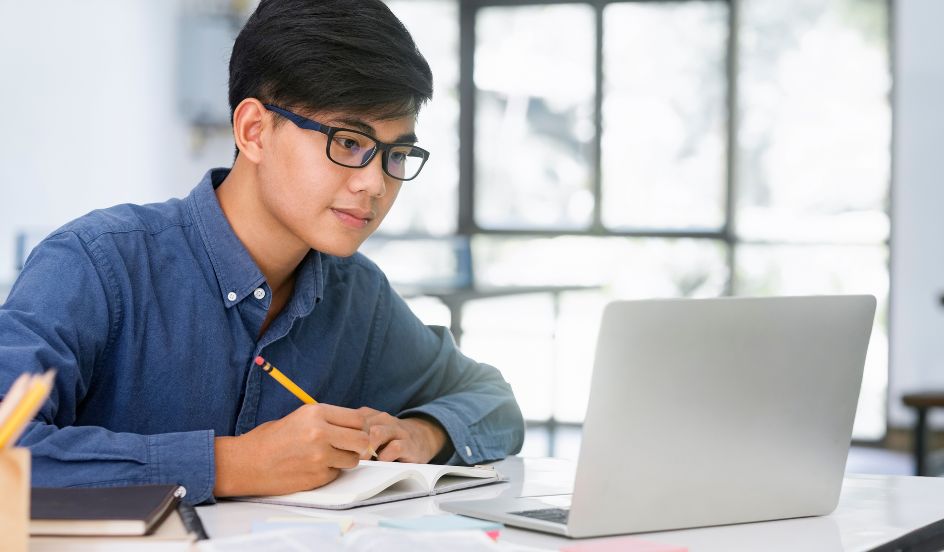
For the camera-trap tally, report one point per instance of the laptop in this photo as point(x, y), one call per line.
point(708, 412)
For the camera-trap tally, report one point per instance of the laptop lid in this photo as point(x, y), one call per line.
point(717, 411)
point(709, 412)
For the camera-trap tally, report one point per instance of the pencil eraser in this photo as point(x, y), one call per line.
point(259, 361)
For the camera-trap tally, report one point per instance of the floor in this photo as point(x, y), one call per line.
point(566, 444)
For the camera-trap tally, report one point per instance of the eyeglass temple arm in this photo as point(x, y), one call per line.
point(300, 121)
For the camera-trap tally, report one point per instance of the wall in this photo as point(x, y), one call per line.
point(917, 315)
point(90, 114)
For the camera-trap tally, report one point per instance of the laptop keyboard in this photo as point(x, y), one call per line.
point(554, 515)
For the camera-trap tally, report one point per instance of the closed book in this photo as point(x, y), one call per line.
point(169, 536)
point(134, 510)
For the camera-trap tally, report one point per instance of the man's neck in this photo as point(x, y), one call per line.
point(276, 251)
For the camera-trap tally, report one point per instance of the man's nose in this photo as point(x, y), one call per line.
point(370, 178)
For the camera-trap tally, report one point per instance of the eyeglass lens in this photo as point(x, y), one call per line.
point(353, 149)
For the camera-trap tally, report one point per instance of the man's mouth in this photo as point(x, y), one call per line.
point(353, 217)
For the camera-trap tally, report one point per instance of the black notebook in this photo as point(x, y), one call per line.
point(135, 510)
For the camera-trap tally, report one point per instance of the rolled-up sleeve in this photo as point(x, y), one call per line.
point(60, 315)
point(471, 400)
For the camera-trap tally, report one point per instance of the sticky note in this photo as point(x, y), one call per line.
point(443, 523)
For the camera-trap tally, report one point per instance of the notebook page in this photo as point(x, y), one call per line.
point(354, 485)
point(438, 476)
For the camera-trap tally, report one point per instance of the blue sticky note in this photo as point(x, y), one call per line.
point(441, 523)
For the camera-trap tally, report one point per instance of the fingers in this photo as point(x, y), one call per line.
point(344, 417)
point(368, 411)
point(392, 452)
point(334, 426)
point(380, 435)
point(393, 439)
point(355, 433)
point(342, 459)
point(355, 441)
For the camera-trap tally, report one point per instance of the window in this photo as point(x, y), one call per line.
point(688, 148)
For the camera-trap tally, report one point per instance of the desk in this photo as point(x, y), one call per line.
point(873, 510)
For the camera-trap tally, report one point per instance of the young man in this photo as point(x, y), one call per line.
point(153, 314)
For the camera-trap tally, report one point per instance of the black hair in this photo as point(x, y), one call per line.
point(350, 56)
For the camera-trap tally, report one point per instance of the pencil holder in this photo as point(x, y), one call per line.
point(14, 499)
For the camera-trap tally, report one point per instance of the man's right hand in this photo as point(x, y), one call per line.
point(301, 451)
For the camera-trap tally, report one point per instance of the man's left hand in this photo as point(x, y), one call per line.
point(416, 439)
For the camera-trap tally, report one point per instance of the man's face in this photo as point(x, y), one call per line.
point(330, 208)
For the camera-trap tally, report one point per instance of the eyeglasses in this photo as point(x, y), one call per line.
point(354, 149)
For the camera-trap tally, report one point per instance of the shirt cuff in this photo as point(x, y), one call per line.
point(185, 459)
point(467, 449)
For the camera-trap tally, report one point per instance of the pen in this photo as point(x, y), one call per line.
point(295, 389)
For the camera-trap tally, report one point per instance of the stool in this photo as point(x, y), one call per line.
point(922, 402)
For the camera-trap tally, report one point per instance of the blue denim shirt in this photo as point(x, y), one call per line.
point(151, 315)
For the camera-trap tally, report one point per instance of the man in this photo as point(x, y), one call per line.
point(153, 314)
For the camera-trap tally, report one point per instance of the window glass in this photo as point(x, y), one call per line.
point(664, 115)
point(534, 79)
point(430, 203)
point(814, 132)
point(413, 264)
point(516, 335)
point(628, 267)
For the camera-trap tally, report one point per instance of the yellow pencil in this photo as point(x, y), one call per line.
point(26, 408)
point(291, 386)
point(286, 383)
point(13, 396)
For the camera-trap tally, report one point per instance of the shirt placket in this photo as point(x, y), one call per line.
point(252, 311)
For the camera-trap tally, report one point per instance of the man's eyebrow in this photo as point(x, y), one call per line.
point(357, 124)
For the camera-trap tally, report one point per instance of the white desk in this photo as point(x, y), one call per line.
point(873, 510)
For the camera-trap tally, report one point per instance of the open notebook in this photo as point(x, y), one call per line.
point(373, 482)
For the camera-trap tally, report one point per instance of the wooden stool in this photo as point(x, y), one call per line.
point(922, 402)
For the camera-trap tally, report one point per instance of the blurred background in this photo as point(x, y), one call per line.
point(582, 151)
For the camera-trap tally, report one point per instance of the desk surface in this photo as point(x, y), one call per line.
point(873, 510)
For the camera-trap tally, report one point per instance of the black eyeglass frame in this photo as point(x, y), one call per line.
point(330, 131)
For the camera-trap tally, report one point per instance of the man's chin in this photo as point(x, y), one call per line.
point(336, 250)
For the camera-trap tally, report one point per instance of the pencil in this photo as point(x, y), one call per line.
point(25, 408)
point(286, 383)
point(293, 388)
point(13, 396)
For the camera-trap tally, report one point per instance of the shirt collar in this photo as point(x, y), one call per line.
point(236, 272)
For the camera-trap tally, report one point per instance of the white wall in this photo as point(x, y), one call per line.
point(917, 316)
point(88, 93)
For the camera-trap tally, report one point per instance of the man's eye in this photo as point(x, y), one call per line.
point(347, 143)
point(398, 157)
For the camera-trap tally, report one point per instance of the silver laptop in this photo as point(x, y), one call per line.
point(709, 412)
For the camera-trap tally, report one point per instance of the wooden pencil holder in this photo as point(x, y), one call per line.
point(14, 499)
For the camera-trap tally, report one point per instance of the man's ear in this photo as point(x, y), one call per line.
point(249, 120)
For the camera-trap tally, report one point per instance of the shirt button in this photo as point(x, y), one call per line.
point(259, 294)
point(468, 451)
point(231, 296)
